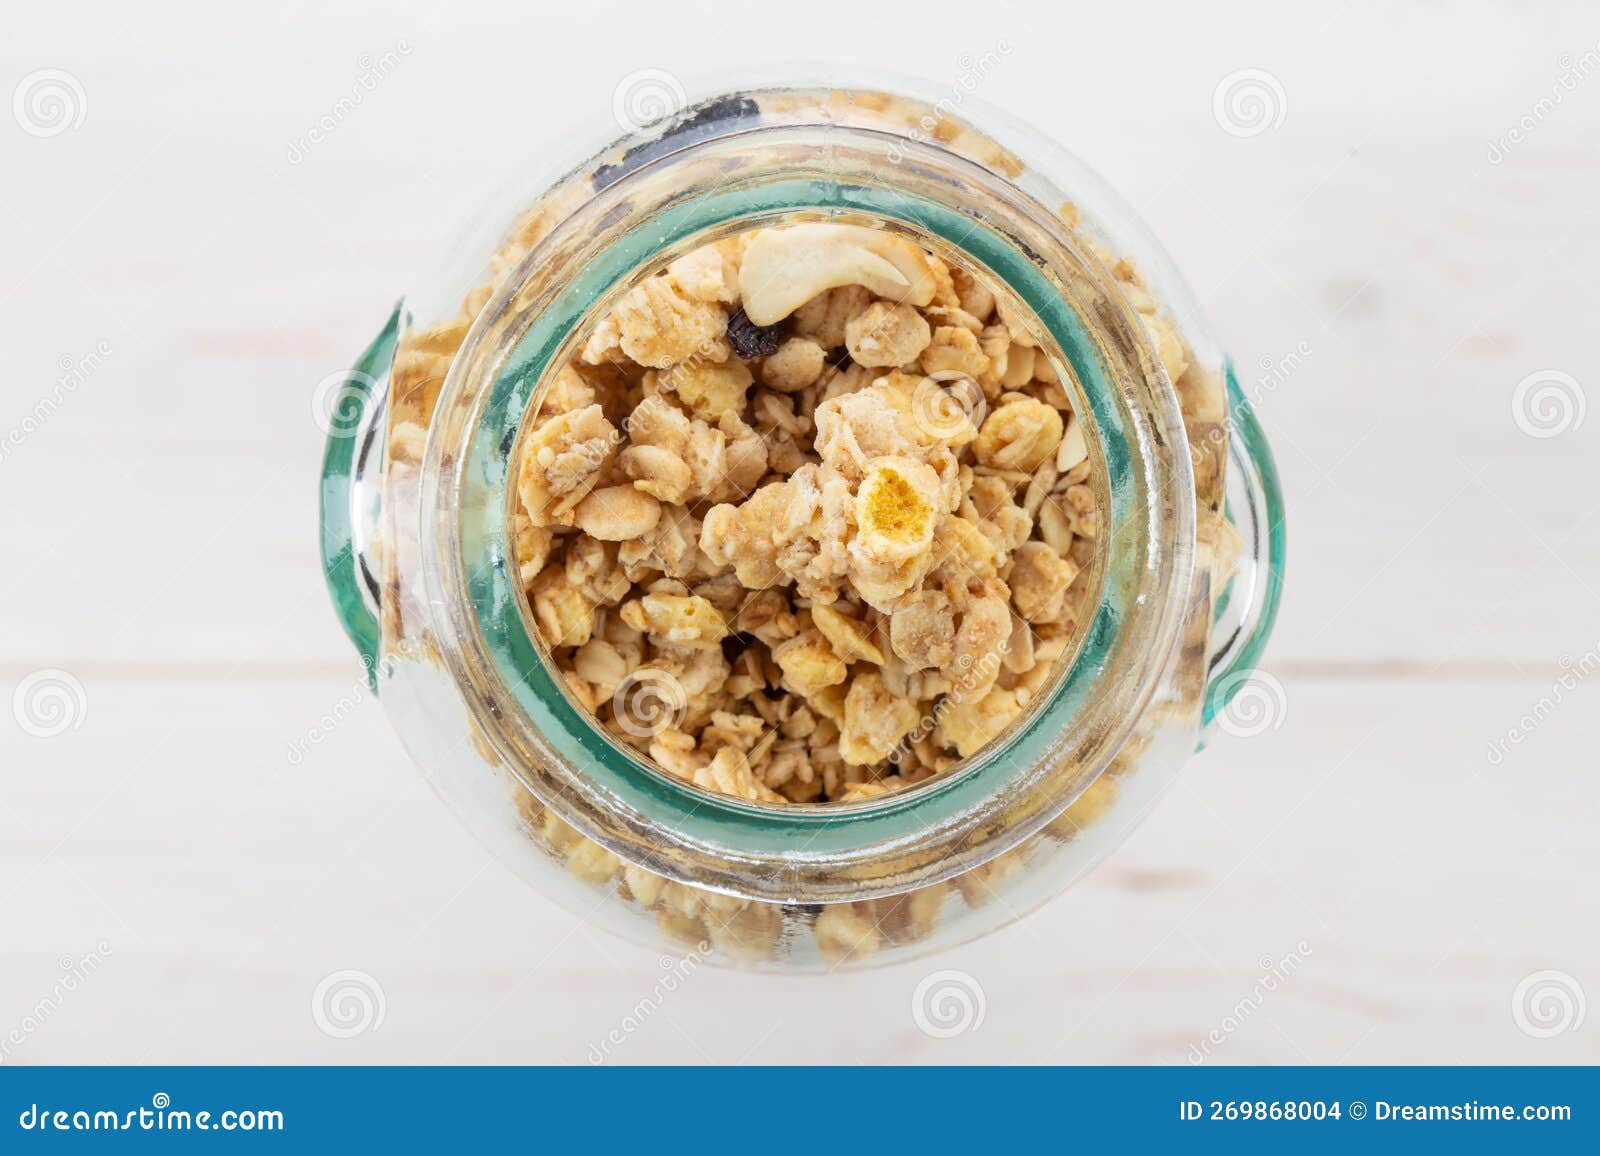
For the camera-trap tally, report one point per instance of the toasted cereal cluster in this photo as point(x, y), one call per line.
point(809, 517)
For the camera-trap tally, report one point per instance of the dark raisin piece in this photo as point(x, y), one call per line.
point(751, 340)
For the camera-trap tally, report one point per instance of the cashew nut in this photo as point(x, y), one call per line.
point(784, 268)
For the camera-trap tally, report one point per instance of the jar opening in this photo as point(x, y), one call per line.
point(646, 704)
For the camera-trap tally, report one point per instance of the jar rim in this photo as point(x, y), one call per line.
point(904, 840)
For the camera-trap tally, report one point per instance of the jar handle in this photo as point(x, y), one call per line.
point(352, 472)
point(1248, 605)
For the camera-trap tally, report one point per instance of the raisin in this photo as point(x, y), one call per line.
point(751, 340)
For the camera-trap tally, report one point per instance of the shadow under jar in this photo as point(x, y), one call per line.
point(420, 501)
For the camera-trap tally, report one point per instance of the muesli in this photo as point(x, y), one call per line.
point(687, 505)
point(810, 517)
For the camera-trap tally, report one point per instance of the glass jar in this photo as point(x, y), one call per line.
point(420, 555)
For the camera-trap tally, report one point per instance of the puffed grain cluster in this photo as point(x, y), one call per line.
point(809, 517)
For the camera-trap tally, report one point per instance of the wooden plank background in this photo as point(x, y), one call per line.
point(210, 264)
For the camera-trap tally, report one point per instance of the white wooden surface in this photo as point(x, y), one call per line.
point(159, 532)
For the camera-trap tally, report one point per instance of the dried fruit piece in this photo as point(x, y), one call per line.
point(747, 339)
point(895, 510)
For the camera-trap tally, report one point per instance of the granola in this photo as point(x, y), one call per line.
point(725, 540)
point(830, 486)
